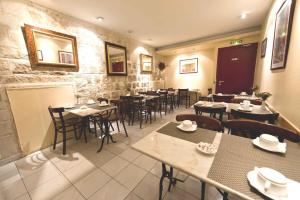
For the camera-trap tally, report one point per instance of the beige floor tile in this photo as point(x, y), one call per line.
point(114, 166)
point(131, 176)
point(8, 175)
point(79, 171)
point(13, 190)
point(113, 190)
point(148, 188)
point(116, 148)
point(24, 197)
point(191, 186)
point(41, 176)
point(130, 154)
point(92, 182)
point(132, 196)
point(99, 159)
point(69, 162)
point(178, 194)
point(69, 194)
point(50, 189)
point(145, 162)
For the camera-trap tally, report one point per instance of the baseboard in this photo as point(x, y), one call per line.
point(10, 159)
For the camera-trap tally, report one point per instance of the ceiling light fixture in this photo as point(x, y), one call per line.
point(243, 16)
point(100, 19)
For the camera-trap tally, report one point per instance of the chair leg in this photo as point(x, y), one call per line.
point(64, 142)
point(118, 126)
point(110, 124)
point(122, 121)
point(203, 186)
point(95, 127)
point(55, 139)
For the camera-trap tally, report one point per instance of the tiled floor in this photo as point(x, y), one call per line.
point(117, 172)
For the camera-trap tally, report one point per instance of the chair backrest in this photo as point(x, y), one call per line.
point(252, 129)
point(202, 121)
point(222, 98)
point(171, 89)
point(252, 101)
point(100, 99)
point(209, 90)
point(60, 119)
point(271, 117)
point(152, 93)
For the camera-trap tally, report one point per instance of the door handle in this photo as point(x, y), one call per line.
point(220, 82)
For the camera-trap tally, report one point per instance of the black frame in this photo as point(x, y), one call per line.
point(59, 57)
point(188, 72)
point(291, 14)
point(263, 48)
point(107, 59)
point(41, 54)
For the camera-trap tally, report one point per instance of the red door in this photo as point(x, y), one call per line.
point(235, 68)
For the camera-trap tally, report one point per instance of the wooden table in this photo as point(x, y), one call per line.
point(94, 109)
point(182, 155)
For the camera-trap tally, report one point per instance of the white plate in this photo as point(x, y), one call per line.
point(69, 106)
point(102, 105)
point(206, 148)
point(245, 110)
point(192, 129)
point(291, 192)
point(280, 148)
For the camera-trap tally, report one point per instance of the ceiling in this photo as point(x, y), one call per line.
point(164, 22)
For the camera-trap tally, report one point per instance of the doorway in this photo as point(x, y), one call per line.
point(235, 68)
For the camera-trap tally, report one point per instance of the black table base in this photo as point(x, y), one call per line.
point(106, 134)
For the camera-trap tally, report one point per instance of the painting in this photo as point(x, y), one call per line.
point(65, 57)
point(263, 48)
point(283, 25)
point(146, 64)
point(116, 59)
point(188, 66)
point(39, 55)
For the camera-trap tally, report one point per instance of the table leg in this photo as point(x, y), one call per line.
point(106, 134)
point(203, 186)
point(169, 175)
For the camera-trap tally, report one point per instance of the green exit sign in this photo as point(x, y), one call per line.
point(236, 42)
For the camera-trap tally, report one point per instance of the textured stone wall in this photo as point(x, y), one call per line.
point(91, 81)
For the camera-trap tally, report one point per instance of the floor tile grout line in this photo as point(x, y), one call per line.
point(22, 182)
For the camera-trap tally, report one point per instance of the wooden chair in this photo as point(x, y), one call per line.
point(183, 95)
point(252, 101)
point(252, 129)
point(63, 125)
point(213, 111)
point(202, 121)
point(222, 98)
point(271, 118)
point(117, 114)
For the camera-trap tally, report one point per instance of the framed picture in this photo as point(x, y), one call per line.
point(283, 25)
point(263, 48)
point(116, 59)
point(146, 63)
point(65, 57)
point(188, 66)
point(39, 55)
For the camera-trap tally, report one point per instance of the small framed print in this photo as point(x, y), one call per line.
point(39, 55)
point(65, 57)
point(188, 66)
point(263, 48)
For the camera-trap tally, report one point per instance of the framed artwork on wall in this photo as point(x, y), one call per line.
point(116, 59)
point(188, 66)
point(65, 57)
point(39, 55)
point(146, 64)
point(263, 48)
point(283, 26)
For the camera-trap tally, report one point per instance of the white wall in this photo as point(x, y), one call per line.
point(283, 84)
point(201, 80)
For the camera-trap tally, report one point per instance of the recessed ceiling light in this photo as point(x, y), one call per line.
point(100, 19)
point(243, 16)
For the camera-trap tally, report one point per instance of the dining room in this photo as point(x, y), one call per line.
point(149, 100)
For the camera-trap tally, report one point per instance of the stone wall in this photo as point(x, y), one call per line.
point(91, 81)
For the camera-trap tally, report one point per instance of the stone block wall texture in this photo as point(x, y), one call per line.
point(91, 81)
